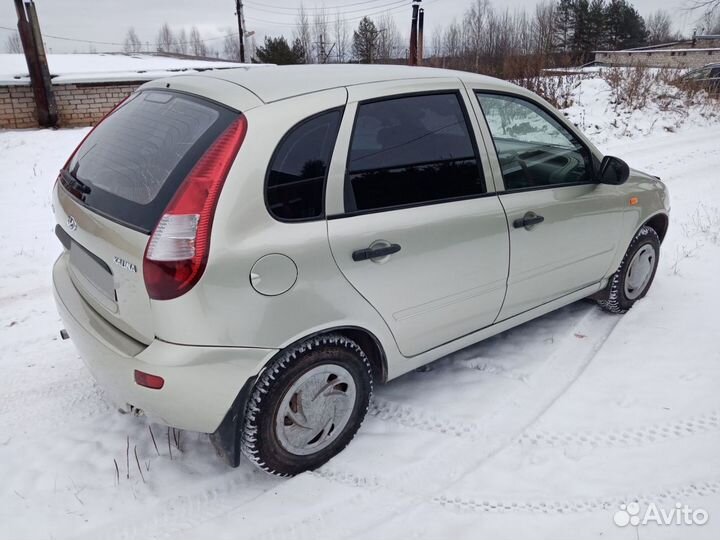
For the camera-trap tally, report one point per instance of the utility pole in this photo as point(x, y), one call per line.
point(323, 58)
point(241, 28)
point(413, 33)
point(421, 37)
point(31, 38)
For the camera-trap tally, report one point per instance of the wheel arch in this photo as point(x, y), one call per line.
point(367, 341)
point(659, 222)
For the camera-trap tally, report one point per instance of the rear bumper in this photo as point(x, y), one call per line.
point(201, 383)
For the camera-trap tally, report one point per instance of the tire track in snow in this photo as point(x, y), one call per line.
point(626, 437)
point(418, 483)
point(418, 418)
point(701, 488)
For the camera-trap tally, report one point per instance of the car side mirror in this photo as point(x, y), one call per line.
point(613, 171)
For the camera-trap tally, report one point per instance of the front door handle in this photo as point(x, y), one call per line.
point(375, 252)
point(529, 220)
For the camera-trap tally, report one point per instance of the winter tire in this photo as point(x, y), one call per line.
point(307, 405)
point(635, 275)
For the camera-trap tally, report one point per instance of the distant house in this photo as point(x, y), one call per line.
point(691, 53)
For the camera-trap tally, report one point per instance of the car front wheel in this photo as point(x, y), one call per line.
point(307, 405)
point(635, 275)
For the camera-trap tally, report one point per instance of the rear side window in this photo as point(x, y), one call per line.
point(133, 162)
point(410, 150)
point(296, 178)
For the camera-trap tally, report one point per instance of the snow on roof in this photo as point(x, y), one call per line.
point(80, 68)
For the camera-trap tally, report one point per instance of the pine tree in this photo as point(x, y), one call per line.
point(278, 51)
point(634, 33)
point(581, 38)
point(364, 41)
point(564, 25)
point(625, 26)
point(596, 25)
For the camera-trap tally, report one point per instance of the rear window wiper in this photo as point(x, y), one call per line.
point(75, 183)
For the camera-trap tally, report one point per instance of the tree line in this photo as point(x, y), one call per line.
point(485, 38)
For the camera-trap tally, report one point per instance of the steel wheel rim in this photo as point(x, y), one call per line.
point(639, 271)
point(315, 409)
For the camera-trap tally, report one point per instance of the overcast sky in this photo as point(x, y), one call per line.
point(108, 20)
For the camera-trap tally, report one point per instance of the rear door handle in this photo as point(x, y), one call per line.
point(375, 252)
point(529, 220)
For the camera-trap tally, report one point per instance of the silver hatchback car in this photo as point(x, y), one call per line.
point(247, 252)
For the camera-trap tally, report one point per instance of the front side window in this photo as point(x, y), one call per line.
point(533, 148)
point(410, 150)
point(296, 179)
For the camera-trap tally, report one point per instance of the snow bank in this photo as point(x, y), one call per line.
point(667, 110)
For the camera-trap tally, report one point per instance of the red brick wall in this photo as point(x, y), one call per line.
point(78, 104)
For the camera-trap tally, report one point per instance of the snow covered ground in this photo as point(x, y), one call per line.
point(541, 432)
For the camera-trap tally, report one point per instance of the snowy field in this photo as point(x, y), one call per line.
point(541, 432)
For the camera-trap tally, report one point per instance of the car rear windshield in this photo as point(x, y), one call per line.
point(130, 166)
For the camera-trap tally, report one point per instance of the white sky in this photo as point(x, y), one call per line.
point(108, 20)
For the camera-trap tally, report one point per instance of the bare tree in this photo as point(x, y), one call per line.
point(132, 42)
point(231, 47)
point(475, 24)
point(197, 45)
point(342, 38)
point(452, 41)
point(436, 45)
point(659, 27)
point(710, 22)
point(13, 44)
point(389, 39)
point(320, 33)
point(303, 33)
point(542, 27)
point(181, 46)
point(708, 6)
point(165, 39)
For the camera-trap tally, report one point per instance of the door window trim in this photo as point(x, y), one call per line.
point(593, 159)
point(276, 151)
point(473, 140)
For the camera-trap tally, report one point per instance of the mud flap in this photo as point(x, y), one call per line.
point(226, 438)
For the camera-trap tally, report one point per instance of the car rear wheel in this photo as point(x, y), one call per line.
point(635, 275)
point(307, 405)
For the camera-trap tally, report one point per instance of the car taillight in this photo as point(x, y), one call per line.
point(177, 253)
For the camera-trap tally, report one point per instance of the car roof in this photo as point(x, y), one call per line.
point(274, 83)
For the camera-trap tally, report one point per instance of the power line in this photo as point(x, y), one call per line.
point(322, 8)
point(294, 11)
point(346, 19)
point(393, 7)
point(94, 42)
